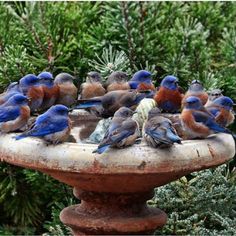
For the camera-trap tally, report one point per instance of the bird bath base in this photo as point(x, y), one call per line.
point(110, 213)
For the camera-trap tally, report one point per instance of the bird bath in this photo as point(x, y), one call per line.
point(114, 187)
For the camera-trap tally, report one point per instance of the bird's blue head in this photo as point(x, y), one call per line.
point(224, 102)
point(141, 75)
point(59, 110)
point(93, 77)
point(29, 80)
point(170, 82)
point(14, 86)
point(124, 112)
point(17, 99)
point(196, 86)
point(46, 78)
point(193, 103)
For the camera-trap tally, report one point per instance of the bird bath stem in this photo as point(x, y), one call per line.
point(114, 187)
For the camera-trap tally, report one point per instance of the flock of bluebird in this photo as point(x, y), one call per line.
point(201, 114)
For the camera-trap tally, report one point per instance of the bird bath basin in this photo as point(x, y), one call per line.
point(114, 187)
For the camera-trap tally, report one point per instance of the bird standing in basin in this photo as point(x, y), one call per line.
point(117, 80)
point(122, 132)
point(112, 101)
point(141, 80)
point(222, 109)
point(14, 113)
point(159, 131)
point(92, 87)
point(196, 89)
point(53, 126)
point(169, 97)
point(31, 88)
point(67, 89)
point(50, 90)
point(11, 90)
point(197, 121)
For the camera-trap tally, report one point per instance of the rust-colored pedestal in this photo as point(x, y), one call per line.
point(109, 213)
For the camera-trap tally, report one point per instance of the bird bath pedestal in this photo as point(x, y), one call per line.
point(114, 187)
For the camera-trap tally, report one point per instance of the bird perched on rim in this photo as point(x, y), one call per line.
point(222, 109)
point(31, 88)
point(50, 90)
point(196, 89)
point(197, 121)
point(11, 90)
point(14, 113)
point(169, 97)
point(122, 132)
point(112, 101)
point(53, 126)
point(67, 89)
point(141, 80)
point(159, 131)
point(117, 80)
point(212, 95)
point(92, 87)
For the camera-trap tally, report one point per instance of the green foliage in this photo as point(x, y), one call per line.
point(203, 203)
point(193, 40)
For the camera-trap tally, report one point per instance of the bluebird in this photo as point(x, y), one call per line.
point(196, 89)
point(159, 131)
point(222, 109)
point(31, 88)
point(50, 90)
point(123, 131)
point(14, 113)
point(67, 89)
point(142, 80)
point(197, 121)
point(92, 87)
point(113, 100)
point(11, 90)
point(117, 80)
point(53, 126)
point(169, 97)
point(212, 95)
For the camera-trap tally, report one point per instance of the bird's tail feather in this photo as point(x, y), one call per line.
point(101, 149)
point(173, 137)
point(88, 104)
point(21, 136)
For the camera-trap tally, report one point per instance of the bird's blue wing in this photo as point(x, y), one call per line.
point(9, 113)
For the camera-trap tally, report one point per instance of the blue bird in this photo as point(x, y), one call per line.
point(14, 113)
point(197, 121)
point(53, 126)
point(50, 90)
point(159, 131)
point(11, 90)
point(31, 88)
point(169, 97)
point(122, 132)
point(222, 109)
point(141, 80)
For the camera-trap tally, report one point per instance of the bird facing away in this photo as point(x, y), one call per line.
point(50, 90)
point(113, 100)
point(159, 131)
point(222, 109)
point(168, 97)
point(142, 80)
point(14, 113)
point(196, 89)
point(117, 80)
point(197, 121)
point(32, 89)
point(92, 87)
point(67, 89)
point(53, 126)
point(11, 90)
point(122, 132)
